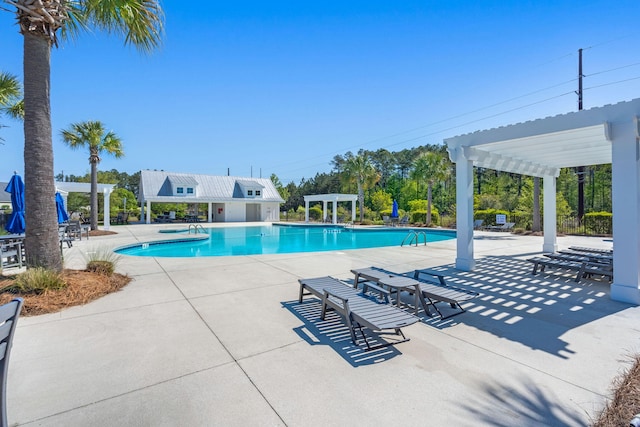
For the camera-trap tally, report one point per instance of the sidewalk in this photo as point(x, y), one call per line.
point(223, 341)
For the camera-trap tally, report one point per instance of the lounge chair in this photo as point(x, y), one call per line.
point(440, 291)
point(507, 226)
point(591, 250)
point(386, 220)
point(358, 310)
point(477, 224)
point(432, 291)
point(583, 268)
point(404, 221)
point(9, 314)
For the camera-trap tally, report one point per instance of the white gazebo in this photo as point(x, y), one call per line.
point(331, 198)
point(539, 148)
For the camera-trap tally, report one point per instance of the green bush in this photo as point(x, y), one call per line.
point(489, 216)
point(37, 280)
point(420, 216)
point(599, 222)
point(315, 213)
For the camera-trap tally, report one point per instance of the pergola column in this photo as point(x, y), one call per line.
point(464, 210)
point(626, 208)
point(550, 243)
point(324, 210)
point(306, 211)
point(335, 211)
point(209, 213)
point(148, 219)
point(353, 211)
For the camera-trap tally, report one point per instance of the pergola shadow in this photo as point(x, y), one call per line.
point(535, 311)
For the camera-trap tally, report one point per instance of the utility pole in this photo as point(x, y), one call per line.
point(580, 169)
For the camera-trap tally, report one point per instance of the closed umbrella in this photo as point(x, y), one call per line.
point(62, 213)
point(394, 210)
point(16, 223)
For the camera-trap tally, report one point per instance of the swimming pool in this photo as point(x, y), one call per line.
point(280, 239)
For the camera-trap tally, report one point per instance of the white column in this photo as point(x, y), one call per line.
point(353, 211)
point(464, 210)
point(306, 211)
point(209, 212)
point(148, 221)
point(107, 216)
point(324, 210)
point(550, 243)
point(626, 212)
point(335, 211)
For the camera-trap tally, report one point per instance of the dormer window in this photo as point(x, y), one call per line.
point(189, 190)
point(249, 192)
point(179, 190)
point(257, 192)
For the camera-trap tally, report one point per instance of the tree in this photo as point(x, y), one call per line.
point(140, 22)
point(430, 167)
point(11, 102)
point(359, 170)
point(92, 134)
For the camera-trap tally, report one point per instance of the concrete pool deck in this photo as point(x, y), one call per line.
point(223, 341)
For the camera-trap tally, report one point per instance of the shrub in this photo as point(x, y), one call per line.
point(420, 216)
point(102, 262)
point(315, 213)
point(37, 280)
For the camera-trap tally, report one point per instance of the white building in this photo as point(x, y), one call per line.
point(229, 199)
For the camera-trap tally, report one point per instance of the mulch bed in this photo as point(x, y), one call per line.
point(82, 288)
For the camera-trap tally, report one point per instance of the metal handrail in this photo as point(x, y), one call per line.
point(196, 227)
point(415, 238)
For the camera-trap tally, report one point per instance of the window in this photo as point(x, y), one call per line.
point(179, 190)
point(257, 192)
point(189, 190)
point(249, 192)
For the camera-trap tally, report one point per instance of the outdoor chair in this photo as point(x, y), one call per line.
point(584, 268)
point(8, 320)
point(431, 292)
point(386, 220)
point(404, 221)
point(507, 226)
point(357, 309)
point(477, 224)
point(11, 253)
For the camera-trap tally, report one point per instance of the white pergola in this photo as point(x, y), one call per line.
point(333, 198)
point(608, 134)
point(83, 187)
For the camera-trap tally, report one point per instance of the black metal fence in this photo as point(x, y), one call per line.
point(589, 226)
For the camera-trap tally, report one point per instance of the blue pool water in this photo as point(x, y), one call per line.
point(280, 239)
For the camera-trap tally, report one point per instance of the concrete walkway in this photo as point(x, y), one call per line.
point(223, 341)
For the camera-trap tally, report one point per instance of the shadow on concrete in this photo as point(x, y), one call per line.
point(503, 406)
point(533, 310)
point(334, 333)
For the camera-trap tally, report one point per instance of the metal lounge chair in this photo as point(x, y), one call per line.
point(358, 310)
point(583, 268)
point(431, 292)
point(507, 226)
point(8, 319)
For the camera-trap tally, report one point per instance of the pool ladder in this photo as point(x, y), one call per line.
point(196, 228)
point(414, 237)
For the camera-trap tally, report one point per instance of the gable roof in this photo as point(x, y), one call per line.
point(155, 186)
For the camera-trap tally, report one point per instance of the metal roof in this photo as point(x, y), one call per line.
point(211, 188)
point(541, 147)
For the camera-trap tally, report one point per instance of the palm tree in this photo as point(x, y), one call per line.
point(92, 134)
point(430, 167)
point(359, 170)
point(140, 22)
point(10, 96)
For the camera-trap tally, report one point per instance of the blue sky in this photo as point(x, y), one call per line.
point(281, 87)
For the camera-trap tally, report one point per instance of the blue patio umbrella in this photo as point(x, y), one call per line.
point(394, 210)
point(16, 223)
point(62, 213)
